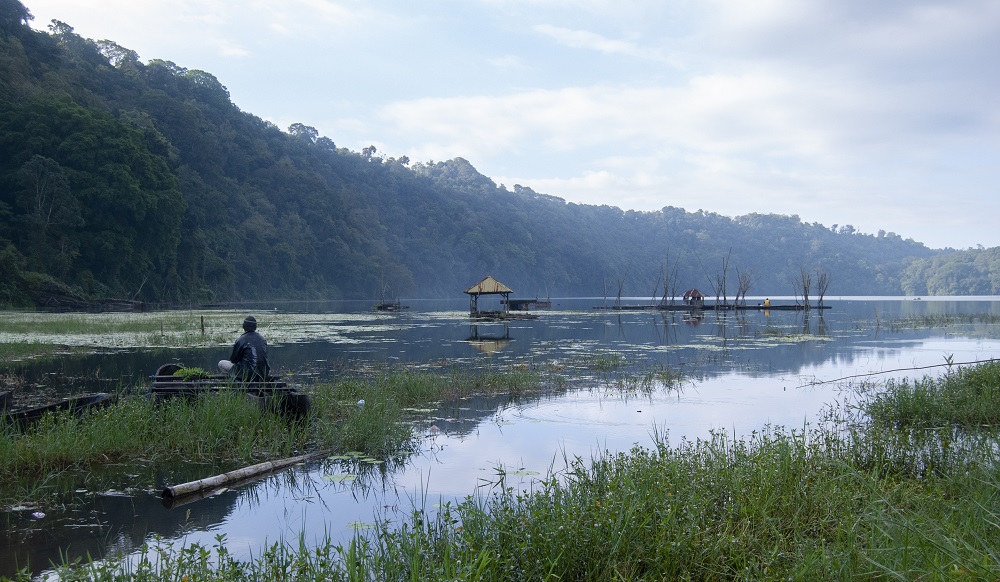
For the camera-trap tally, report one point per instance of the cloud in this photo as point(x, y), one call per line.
point(595, 42)
point(832, 109)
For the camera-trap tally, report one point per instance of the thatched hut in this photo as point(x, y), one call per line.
point(488, 286)
point(694, 297)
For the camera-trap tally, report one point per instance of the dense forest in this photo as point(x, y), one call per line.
point(143, 181)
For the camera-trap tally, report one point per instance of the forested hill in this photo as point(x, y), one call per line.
point(143, 181)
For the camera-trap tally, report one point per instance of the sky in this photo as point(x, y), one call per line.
point(881, 115)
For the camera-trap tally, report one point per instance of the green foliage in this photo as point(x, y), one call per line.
point(188, 374)
point(970, 272)
point(163, 190)
point(965, 397)
point(227, 427)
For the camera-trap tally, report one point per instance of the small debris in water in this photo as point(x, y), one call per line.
point(38, 515)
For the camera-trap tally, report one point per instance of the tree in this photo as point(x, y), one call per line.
point(302, 131)
point(744, 279)
point(804, 284)
point(725, 274)
point(13, 16)
point(50, 213)
point(822, 284)
point(326, 144)
point(116, 54)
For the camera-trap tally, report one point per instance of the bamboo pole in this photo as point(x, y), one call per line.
point(218, 481)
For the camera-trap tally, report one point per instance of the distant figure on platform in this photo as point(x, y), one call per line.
point(767, 302)
point(248, 362)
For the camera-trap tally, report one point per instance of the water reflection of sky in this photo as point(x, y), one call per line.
point(738, 374)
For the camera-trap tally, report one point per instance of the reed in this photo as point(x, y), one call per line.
point(223, 428)
point(964, 397)
point(228, 428)
point(856, 497)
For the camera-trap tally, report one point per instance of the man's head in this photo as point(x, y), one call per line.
point(250, 323)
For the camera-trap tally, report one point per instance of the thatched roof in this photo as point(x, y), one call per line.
point(693, 294)
point(488, 286)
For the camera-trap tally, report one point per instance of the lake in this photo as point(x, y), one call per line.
point(738, 372)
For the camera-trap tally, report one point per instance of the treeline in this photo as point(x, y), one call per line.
point(971, 272)
point(143, 181)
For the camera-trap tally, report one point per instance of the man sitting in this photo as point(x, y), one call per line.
point(248, 362)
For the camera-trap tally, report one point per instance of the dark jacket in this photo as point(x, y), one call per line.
point(249, 358)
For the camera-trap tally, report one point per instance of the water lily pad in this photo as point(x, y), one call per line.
point(524, 472)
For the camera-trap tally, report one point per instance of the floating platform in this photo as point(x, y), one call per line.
point(526, 304)
point(271, 394)
point(700, 307)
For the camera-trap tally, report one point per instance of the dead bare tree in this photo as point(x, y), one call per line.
point(718, 286)
point(718, 283)
point(656, 287)
point(822, 284)
point(804, 284)
point(669, 279)
point(725, 274)
point(621, 287)
point(744, 280)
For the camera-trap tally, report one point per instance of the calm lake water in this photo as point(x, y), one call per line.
point(739, 373)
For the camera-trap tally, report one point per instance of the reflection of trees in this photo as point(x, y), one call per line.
point(744, 328)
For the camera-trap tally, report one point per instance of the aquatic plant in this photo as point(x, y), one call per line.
point(967, 396)
point(842, 500)
point(228, 428)
point(188, 374)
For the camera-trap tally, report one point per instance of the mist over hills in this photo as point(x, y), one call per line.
point(144, 181)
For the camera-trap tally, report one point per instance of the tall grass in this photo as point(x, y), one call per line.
point(226, 427)
point(964, 397)
point(857, 497)
point(222, 428)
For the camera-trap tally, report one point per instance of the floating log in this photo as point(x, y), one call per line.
point(211, 483)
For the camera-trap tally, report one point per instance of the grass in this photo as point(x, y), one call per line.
point(227, 428)
point(12, 352)
point(38, 334)
point(224, 427)
point(871, 492)
point(964, 397)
